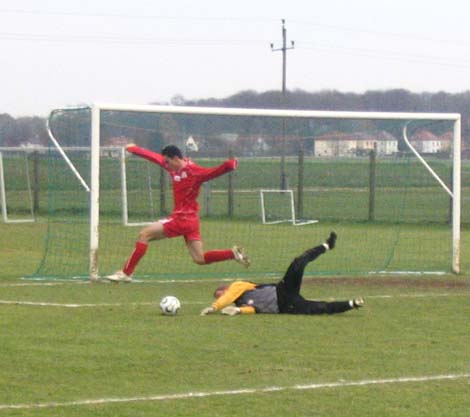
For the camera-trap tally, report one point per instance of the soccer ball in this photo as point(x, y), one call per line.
point(170, 305)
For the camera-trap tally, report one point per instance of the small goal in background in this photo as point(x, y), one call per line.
point(277, 206)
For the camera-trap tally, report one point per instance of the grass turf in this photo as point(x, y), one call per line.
point(120, 347)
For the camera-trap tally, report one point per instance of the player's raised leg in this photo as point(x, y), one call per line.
point(152, 232)
point(195, 248)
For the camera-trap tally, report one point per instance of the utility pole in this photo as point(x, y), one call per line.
point(284, 50)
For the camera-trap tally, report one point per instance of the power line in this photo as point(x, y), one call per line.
point(406, 36)
point(128, 16)
point(391, 55)
point(243, 43)
point(122, 39)
point(284, 50)
point(238, 19)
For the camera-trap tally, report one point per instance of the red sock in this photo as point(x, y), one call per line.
point(136, 255)
point(218, 255)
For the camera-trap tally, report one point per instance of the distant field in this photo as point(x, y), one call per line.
point(400, 183)
point(326, 172)
point(61, 249)
point(402, 226)
point(409, 230)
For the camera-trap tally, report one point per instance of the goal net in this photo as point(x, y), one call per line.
point(16, 193)
point(387, 183)
point(141, 204)
point(277, 206)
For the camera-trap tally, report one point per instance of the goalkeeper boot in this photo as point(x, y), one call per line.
point(331, 241)
point(358, 302)
point(119, 276)
point(240, 256)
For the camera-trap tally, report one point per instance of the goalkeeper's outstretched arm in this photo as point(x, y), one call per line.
point(228, 296)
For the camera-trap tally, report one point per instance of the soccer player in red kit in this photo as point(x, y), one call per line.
point(187, 178)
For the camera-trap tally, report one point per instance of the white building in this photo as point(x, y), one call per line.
point(446, 141)
point(339, 144)
point(387, 144)
point(426, 142)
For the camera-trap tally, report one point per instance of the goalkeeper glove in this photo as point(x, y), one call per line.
point(207, 310)
point(231, 310)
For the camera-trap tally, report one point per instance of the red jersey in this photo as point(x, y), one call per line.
point(186, 181)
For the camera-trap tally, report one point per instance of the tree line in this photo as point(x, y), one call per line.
point(24, 130)
point(395, 100)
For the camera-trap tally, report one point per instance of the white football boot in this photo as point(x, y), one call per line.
point(119, 276)
point(358, 302)
point(240, 256)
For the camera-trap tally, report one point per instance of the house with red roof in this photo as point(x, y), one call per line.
point(426, 142)
point(341, 144)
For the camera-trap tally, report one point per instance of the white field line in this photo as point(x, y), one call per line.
point(67, 305)
point(76, 305)
point(457, 294)
point(39, 284)
point(155, 303)
point(39, 281)
point(242, 391)
point(46, 281)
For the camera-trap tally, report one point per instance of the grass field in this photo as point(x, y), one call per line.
point(406, 205)
point(81, 349)
point(364, 248)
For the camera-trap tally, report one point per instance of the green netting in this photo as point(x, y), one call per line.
point(16, 187)
point(400, 223)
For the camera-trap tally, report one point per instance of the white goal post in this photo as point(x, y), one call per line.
point(97, 108)
point(292, 219)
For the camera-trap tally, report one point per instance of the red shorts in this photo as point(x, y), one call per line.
point(182, 225)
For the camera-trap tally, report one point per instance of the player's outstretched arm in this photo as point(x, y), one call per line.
point(207, 174)
point(154, 157)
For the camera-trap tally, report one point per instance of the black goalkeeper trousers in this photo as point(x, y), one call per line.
point(288, 289)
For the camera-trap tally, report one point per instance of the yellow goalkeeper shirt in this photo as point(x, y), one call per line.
point(234, 291)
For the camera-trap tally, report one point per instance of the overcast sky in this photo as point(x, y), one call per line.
point(57, 53)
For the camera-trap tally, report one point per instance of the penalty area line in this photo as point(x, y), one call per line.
point(243, 391)
point(76, 305)
point(420, 295)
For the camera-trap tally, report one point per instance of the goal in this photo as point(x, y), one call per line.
point(139, 204)
point(16, 195)
point(387, 183)
point(277, 206)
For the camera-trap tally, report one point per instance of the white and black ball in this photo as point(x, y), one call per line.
point(170, 305)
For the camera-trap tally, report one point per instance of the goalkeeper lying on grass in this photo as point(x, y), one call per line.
point(283, 297)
